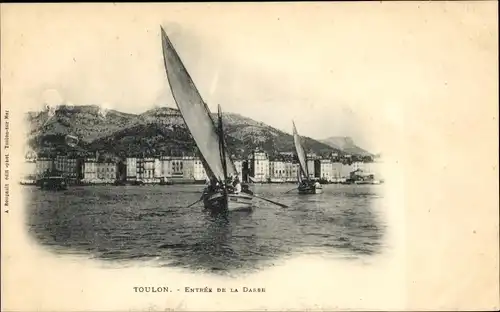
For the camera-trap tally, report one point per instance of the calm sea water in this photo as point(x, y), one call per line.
point(123, 223)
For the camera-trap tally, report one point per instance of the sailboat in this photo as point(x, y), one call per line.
point(223, 190)
point(306, 184)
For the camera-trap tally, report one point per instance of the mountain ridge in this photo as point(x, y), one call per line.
point(157, 131)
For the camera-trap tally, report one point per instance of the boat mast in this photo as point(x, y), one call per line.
point(222, 148)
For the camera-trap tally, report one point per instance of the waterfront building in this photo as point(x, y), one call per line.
point(121, 171)
point(177, 167)
point(199, 171)
point(149, 168)
point(310, 168)
point(106, 172)
point(68, 166)
point(188, 167)
point(90, 170)
point(323, 169)
point(291, 171)
point(310, 163)
point(172, 166)
point(43, 165)
point(336, 171)
point(277, 171)
point(259, 166)
point(166, 166)
point(131, 164)
point(145, 170)
point(140, 169)
point(59, 162)
point(158, 170)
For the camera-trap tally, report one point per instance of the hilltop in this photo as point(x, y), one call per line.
point(159, 131)
point(346, 145)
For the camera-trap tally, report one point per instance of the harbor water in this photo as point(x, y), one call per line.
point(151, 223)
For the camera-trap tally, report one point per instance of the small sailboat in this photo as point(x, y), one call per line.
point(224, 191)
point(306, 184)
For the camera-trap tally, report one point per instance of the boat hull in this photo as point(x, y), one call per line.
point(310, 190)
point(217, 202)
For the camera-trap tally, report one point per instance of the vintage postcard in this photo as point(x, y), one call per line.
point(250, 156)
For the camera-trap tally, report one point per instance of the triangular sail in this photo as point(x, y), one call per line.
point(301, 154)
point(194, 111)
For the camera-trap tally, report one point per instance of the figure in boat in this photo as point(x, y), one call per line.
point(228, 196)
point(310, 186)
point(234, 185)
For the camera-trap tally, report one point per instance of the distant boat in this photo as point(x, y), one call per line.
point(54, 183)
point(306, 184)
point(222, 192)
point(27, 182)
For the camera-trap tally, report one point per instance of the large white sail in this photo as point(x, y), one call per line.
point(195, 112)
point(301, 154)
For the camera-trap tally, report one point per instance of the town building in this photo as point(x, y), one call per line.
point(259, 166)
point(166, 166)
point(131, 164)
point(172, 167)
point(67, 166)
point(188, 167)
point(43, 165)
point(277, 171)
point(90, 170)
point(106, 172)
point(310, 168)
point(199, 171)
point(177, 167)
point(291, 172)
point(145, 170)
point(336, 171)
point(323, 169)
point(358, 165)
point(158, 170)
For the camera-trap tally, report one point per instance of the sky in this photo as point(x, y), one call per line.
point(336, 69)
